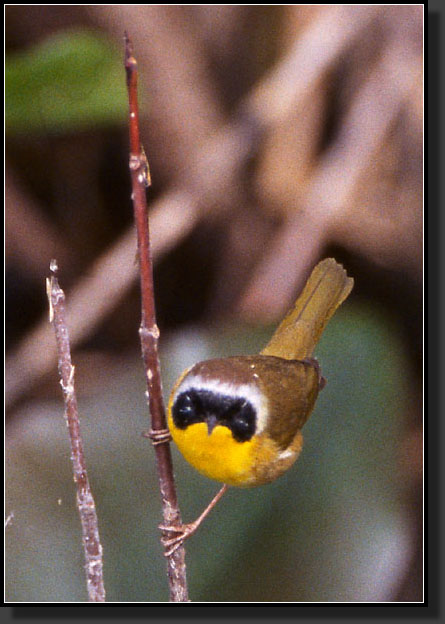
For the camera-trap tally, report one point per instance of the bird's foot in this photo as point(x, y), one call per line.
point(184, 531)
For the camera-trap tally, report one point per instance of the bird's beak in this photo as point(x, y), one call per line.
point(211, 421)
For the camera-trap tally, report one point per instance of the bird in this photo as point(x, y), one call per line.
point(239, 419)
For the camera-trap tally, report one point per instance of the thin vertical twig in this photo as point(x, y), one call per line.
point(149, 334)
point(85, 502)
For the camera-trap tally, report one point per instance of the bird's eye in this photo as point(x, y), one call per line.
point(186, 410)
point(242, 422)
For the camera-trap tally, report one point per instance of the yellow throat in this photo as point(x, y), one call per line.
point(217, 456)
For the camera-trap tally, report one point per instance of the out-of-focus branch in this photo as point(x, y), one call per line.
point(179, 93)
point(328, 204)
point(307, 61)
point(30, 239)
point(209, 168)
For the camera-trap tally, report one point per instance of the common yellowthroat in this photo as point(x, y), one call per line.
point(238, 419)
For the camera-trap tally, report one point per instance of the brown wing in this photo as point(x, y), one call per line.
point(292, 389)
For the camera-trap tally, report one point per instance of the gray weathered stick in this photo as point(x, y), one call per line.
point(85, 502)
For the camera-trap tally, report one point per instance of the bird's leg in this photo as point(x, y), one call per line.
point(184, 531)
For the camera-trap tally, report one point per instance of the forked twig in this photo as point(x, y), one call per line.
point(85, 502)
point(149, 335)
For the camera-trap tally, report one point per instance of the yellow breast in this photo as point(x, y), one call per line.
point(217, 456)
point(244, 464)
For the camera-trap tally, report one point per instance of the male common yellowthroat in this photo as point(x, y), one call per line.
point(238, 419)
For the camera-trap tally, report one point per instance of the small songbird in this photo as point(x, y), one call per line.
point(238, 419)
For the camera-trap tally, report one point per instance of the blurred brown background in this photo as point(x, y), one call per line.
point(276, 135)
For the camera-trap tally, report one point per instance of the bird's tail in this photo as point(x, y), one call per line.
point(296, 336)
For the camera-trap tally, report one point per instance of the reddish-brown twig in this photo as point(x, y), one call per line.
point(85, 502)
point(149, 334)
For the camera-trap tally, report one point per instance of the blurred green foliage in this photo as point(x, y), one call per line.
point(68, 82)
point(332, 529)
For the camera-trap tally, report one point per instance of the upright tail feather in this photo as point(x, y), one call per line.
point(296, 336)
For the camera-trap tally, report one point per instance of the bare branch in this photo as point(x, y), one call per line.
point(85, 502)
point(149, 335)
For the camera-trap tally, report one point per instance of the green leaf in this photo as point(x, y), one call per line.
point(71, 81)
